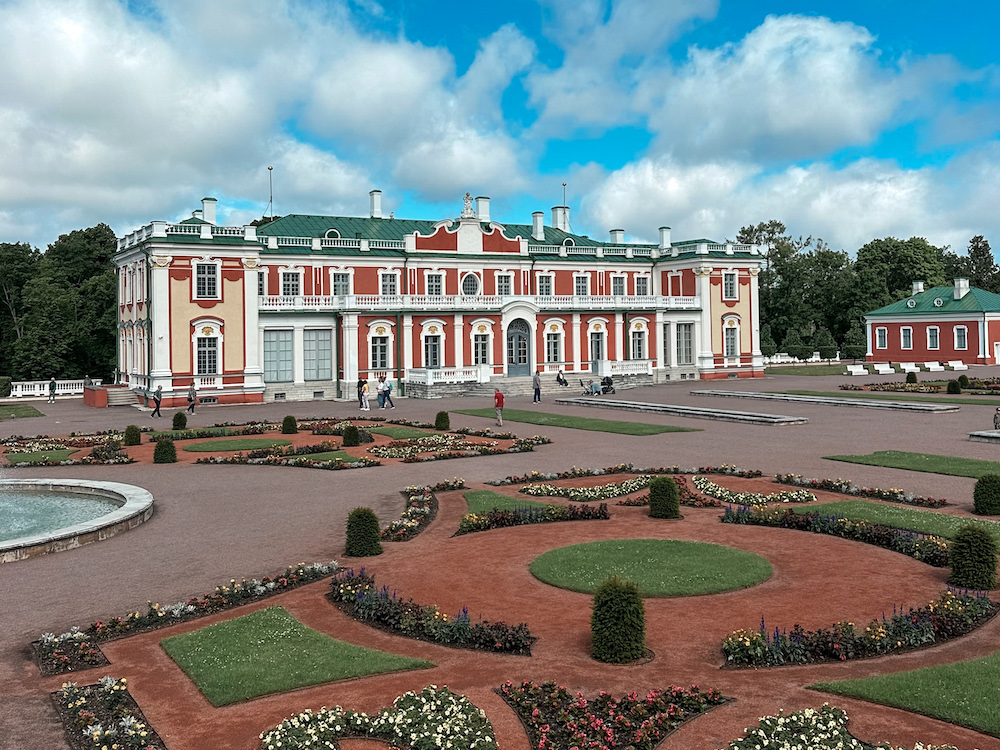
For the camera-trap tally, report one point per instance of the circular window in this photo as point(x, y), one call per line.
point(938, 302)
point(911, 303)
point(470, 285)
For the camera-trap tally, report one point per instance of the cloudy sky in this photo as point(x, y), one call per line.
point(846, 119)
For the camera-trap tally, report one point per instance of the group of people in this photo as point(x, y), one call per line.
point(383, 390)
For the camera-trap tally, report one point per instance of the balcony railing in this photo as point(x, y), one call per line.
point(479, 302)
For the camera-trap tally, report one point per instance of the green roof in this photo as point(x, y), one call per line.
point(349, 227)
point(926, 302)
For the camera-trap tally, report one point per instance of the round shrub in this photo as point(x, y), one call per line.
point(180, 420)
point(963, 380)
point(618, 622)
point(973, 559)
point(166, 451)
point(954, 387)
point(911, 377)
point(289, 426)
point(442, 421)
point(986, 495)
point(132, 435)
point(351, 436)
point(362, 534)
point(664, 498)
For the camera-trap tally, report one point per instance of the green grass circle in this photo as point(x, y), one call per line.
point(659, 567)
point(235, 444)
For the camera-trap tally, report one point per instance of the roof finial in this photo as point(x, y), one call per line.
point(467, 212)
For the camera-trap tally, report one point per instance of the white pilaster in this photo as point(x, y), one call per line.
point(298, 355)
point(755, 353)
point(619, 337)
point(252, 369)
point(577, 347)
point(869, 345)
point(706, 359)
point(657, 353)
point(458, 331)
point(351, 345)
point(407, 343)
point(159, 270)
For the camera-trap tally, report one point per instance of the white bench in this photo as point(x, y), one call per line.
point(856, 370)
point(909, 367)
point(958, 364)
point(934, 366)
point(881, 368)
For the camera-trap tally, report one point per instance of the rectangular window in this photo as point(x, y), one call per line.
point(380, 353)
point(732, 342)
point(618, 286)
point(388, 284)
point(206, 281)
point(729, 285)
point(961, 337)
point(638, 344)
point(434, 286)
point(290, 286)
point(481, 349)
point(666, 346)
point(581, 286)
point(906, 338)
point(261, 283)
point(545, 286)
point(685, 343)
point(641, 286)
point(341, 284)
point(208, 356)
point(881, 338)
point(504, 285)
point(553, 347)
point(933, 338)
point(317, 354)
point(432, 352)
point(277, 356)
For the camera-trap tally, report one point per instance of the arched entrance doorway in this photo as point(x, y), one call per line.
point(518, 348)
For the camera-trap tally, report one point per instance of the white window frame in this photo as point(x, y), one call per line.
point(643, 277)
point(334, 272)
point(196, 264)
point(388, 333)
point(551, 278)
point(441, 333)
point(965, 337)
point(318, 374)
point(487, 326)
point(509, 278)
point(385, 274)
point(906, 332)
point(937, 338)
point(462, 285)
point(619, 278)
point(288, 273)
point(263, 350)
point(685, 355)
point(576, 284)
point(881, 337)
point(666, 353)
point(438, 276)
point(261, 282)
point(730, 278)
point(554, 327)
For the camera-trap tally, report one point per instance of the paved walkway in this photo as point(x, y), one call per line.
point(217, 522)
point(856, 403)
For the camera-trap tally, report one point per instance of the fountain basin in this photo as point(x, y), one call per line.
point(134, 506)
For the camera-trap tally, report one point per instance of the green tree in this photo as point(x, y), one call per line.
point(982, 268)
point(82, 254)
point(824, 344)
point(901, 262)
point(18, 264)
point(50, 327)
point(767, 346)
point(855, 345)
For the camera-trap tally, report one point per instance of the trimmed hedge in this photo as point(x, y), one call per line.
point(132, 435)
point(289, 426)
point(180, 420)
point(618, 622)
point(963, 380)
point(973, 559)
point(442, 421)
point(911, 377)
point(352, 438)
point(954, 387)
point(986, 495)
point(664, 498)
point(5, 385)
point(165, 452)
point(363, 534)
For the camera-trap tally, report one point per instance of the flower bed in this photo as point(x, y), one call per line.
point(950, 616)
point(896, 387)
point(587, 494)
point(443, 447)
point(289, 455)
point(251, 428)
point(104, 715)
point(927, 548)
point(337, 428)
point(556, 719)
point(688, 497)
point(844, 487)
point(711, 489)
point(421, 508)
point(429, 720)
point(358, 596)
point(77, 648)
point(627, 468)
point(500, 519)
point(107, 450)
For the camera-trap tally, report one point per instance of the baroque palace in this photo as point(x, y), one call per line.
point(301, 307)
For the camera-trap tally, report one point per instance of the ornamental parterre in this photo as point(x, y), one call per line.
point(846, 487)
point(421, 507)
point(103, 716)
point(708, 487)
point(588, 494)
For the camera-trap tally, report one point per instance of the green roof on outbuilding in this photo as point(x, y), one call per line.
point(975, 300)
point(348, 227)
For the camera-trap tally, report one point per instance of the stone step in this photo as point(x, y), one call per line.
point(859, 403)
point(121, 397)
point(725, 415)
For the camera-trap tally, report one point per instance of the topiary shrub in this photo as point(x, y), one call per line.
point(986, 495)
point(442, 421)
point(664, 498)
point(351, 436)
point(954, 387)
point(973, 555)
point(289, 426)
point(5, 386)
point(132, 435)
point(180, 420)
point(618, 622)
point(963, 380)
point(911, 377)
point(166, 451)
point(362, 534)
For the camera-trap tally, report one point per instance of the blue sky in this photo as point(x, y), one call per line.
point(844, 119)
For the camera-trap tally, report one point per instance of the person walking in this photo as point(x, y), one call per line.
point(388, 393)
point(380, 391)
point(52, 391)
point(498, 406)
point(157, 398)
point(192, 397)
point(361, 385)
point(536, 383)
point(365, 390)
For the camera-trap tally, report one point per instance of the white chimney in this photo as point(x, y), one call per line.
point(196, 214)
point(918, 287)
point(376, 201)
point(483, 208)
point(208, 209)
point(664, 237)
point(617, 236)
point(961, 288)
point(538, 226)
point(560, 218)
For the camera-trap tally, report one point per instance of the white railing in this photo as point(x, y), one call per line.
point(478, 302)
point(626, 367)
point(429, 376)
point(387, 244)
point(30, 388)
point(339, 242)
point(183, 228)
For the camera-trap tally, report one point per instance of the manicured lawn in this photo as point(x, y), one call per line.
point(576, 423)
point(18, 411)
point(929, 462)
point(924, 521)
point(961, 693)
point(398, 432)
point(34, 458)
point(659, 567)
point(930, 398)
point(271, 652)
point(838, 369)
point(481, 501)
point(236, 444)
point(177, 434)
point(329, 456)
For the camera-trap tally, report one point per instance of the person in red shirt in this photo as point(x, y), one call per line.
point(498, 405)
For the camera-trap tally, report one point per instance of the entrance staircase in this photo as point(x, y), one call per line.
point(122, 397)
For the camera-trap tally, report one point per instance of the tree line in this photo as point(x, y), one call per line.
point(58, 308)
point(812, 298)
